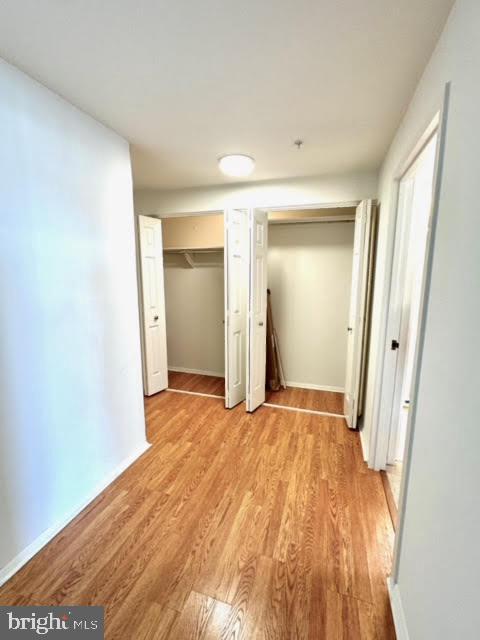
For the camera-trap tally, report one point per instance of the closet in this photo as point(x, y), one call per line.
point(193, 259)
point(317, 264)
point(193, 279)
point(309, 268)
point(204, 283)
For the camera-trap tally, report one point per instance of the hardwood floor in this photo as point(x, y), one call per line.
point(312, 399)
point(231, 526)
point(196, 382)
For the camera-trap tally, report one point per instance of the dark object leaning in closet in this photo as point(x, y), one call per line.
point(274, 380)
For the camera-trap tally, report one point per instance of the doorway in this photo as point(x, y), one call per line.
point(193, 271)
point(304, 258)
point(194, 303)
point(410, 252)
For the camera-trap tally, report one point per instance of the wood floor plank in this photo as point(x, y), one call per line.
point(312, 399)
point(202, 618)
point(232, 525)
point(196, 383)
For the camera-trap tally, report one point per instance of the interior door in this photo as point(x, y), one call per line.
point(236, 257)
point(356, 322)
point(257, 309)
point(155, 368)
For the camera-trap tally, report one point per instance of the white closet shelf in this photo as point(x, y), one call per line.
point(187, 253)
point(192, 249)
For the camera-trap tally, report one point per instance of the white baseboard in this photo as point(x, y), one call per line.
point(317, 387)
point(364, 445)
point(34, 547)
point(397, 611)
point(202, 372)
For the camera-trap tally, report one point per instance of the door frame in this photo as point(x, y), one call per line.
point(210, 212)
point(380, 432)
point(385, 375)
point(268, 208)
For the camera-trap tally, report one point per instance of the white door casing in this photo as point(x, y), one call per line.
point(153, 305)
point(409, 290)
point(391, 356)
point(356, 322)
point(257, 309)
point(236, 258)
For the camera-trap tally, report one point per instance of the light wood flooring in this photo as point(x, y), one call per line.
point(231, 526)
point(312, 399)
point(196, 382)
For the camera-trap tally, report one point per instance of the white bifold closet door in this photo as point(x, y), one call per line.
point(257, 309)
point(236, 259)
point(357, 313)
point(155, 368)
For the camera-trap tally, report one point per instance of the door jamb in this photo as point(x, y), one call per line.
point(441, 127)
point(379, 436)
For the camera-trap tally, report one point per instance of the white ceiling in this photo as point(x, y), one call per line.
point(186, 81)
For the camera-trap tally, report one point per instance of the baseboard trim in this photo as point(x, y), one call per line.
point(392, 507)
point(317, 413)
point(362, 444)
point(397, 611)
point(316, 387)
point(202, 372)
point(34, 547)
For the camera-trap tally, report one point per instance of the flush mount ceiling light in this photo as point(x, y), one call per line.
point(236, 165)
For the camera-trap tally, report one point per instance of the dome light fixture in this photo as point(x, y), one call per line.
point(236, 165)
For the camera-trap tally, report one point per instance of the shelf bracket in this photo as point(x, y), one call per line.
point(188, 259)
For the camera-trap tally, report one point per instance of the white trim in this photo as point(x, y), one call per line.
point(317, 387)
point(202, 372)
point(398, 612)
point(362, 444)
point(195, 393)
point(34, 547)
point(378, 435)
point(183, 214)
point(437, 182)
point(309, 207)
point(317, 413)
point(343, 218)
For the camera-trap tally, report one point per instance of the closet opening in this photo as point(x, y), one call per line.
point(309, 297)
point(309, 268)
point(193, 260)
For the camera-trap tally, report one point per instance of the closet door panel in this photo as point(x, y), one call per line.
point(356, 323)
point(257, 311)
point(153, 308)
point(236, 255)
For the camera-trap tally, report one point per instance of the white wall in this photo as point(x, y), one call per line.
point(309, 274)
point(195, 312)
point(297, 191)
point(440, 556)
point(71, 405)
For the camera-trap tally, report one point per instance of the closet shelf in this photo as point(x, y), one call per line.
point(187, 253)
point(193, 250)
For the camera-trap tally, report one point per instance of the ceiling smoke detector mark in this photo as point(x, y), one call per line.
point(298, 143)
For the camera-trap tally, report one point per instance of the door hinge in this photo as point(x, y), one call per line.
point(395, 345)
